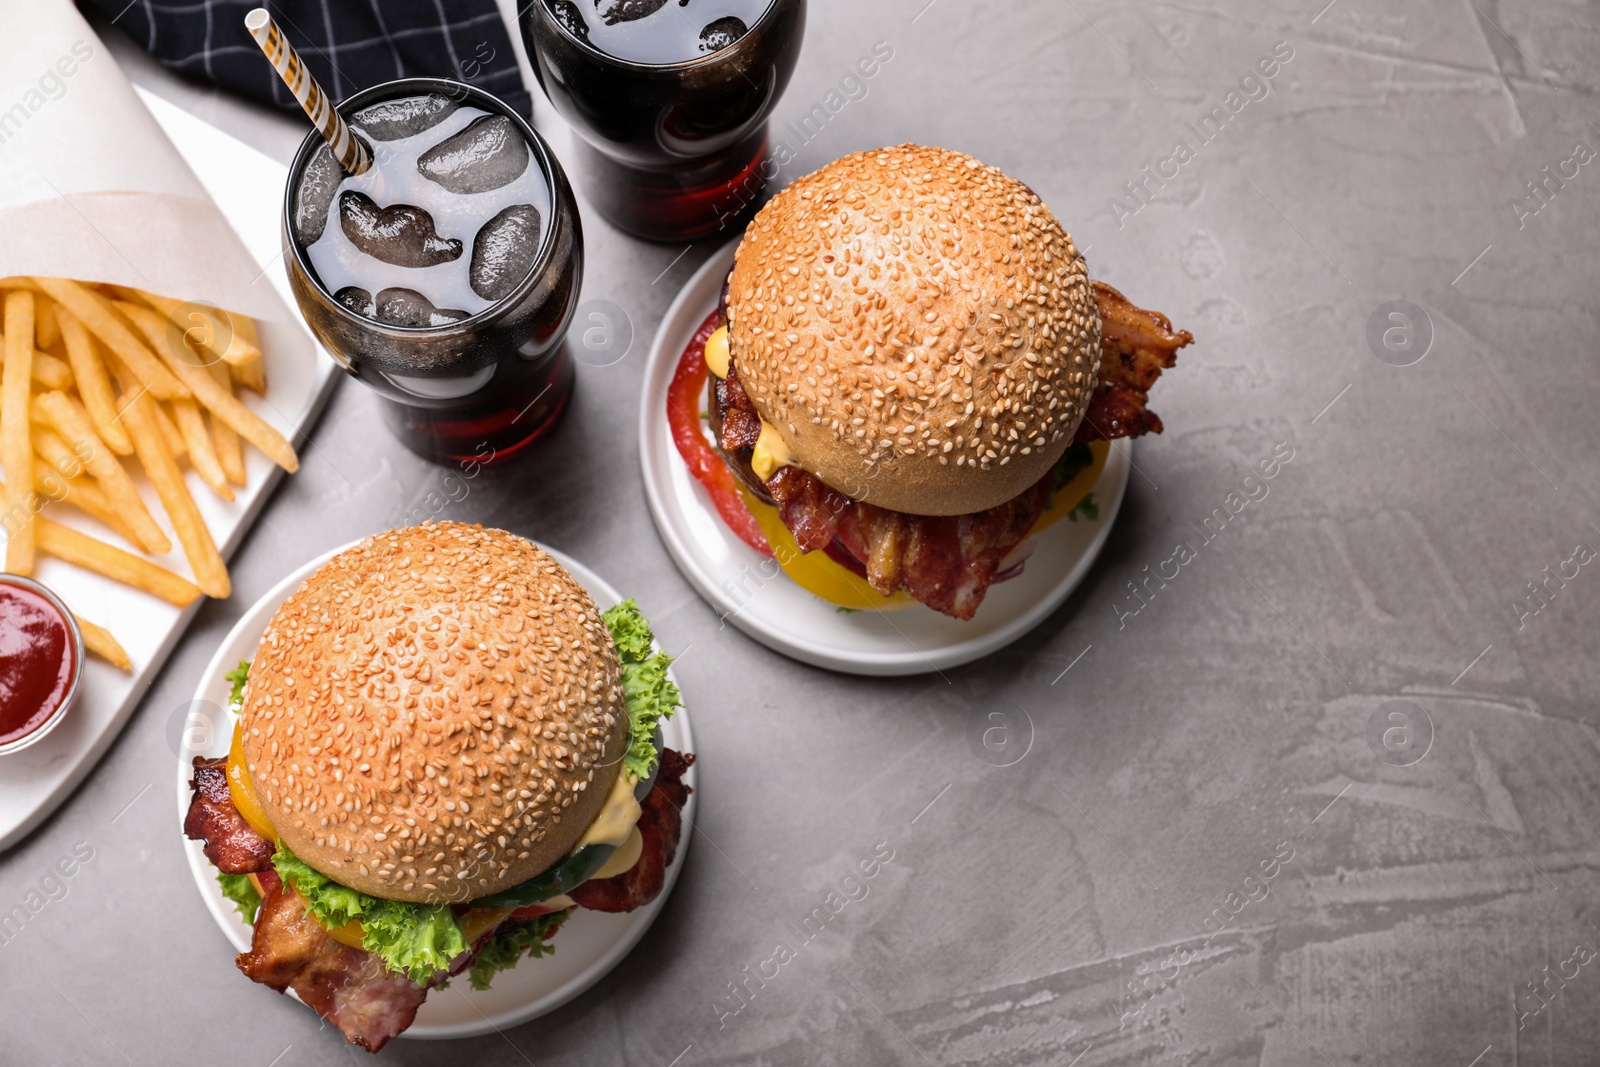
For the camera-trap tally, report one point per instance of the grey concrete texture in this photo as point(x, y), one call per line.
point(1210, 841)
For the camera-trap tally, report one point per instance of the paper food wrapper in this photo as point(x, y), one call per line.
point(90, 188)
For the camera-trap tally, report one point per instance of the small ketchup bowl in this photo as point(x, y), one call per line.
point(41, 662)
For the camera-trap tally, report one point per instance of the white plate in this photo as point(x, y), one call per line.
point(248, 188)
point(588, 945)
point(734, 578)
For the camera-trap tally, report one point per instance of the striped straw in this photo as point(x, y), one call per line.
point(351, 153)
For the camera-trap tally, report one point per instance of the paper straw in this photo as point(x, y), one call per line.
point(350, 152)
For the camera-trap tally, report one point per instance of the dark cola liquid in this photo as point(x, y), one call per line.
point(671, 99)
point(658, 31)
point(435, 249)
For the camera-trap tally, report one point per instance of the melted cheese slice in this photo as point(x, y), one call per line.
point(243, 790)
point(617, 818)
point(771, 453)
point(623, 859)
point(717, 352)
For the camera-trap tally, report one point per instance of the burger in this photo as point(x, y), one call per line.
point(443, 749)
point(910, 375)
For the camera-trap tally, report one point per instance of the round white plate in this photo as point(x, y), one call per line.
point(588, 945)
point(748, 590)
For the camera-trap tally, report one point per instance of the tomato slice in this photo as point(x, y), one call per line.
point(683, 416)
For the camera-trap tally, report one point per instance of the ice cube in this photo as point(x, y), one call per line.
point(721, 33)
point(504, 251)
point(400, 234)
point(407, 307)
point(358, 300)
point(318, 185)
point(486, 155)
point(615, 11)
point(405, 117)
point(567, 13)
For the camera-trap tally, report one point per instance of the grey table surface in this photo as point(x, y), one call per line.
point(1205, 853)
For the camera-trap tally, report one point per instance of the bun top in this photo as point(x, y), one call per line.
point(918, 328)
point(435, 715)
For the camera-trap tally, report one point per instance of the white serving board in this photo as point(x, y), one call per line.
point(248, 187)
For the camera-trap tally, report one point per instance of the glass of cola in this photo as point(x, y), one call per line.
point(446, 275)
point(671, 99)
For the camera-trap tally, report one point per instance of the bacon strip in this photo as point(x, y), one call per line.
point(1135, 347)
point(349, 987)
point(231, 845)
point(949, 562)
point(661, 825)
point(738, 426)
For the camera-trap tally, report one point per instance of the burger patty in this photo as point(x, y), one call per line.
point(949, 562)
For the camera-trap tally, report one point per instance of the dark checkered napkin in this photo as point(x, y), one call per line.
point(348, 44)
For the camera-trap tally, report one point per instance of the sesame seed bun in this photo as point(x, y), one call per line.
point(435, 715)
point(918, 328)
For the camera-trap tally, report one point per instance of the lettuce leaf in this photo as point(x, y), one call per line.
point(1074, 459)
point(504, 949)
point(413, 939)
point(1087, 508)
point(649, 694)
point(236, 678)
point(242, 891)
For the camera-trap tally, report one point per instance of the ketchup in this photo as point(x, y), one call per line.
point(38, 660)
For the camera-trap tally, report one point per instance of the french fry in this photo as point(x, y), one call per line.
point(211, 575)
point(46, 330)
point(47, 370)
point(16, 445)
point(81, 494)
point(210, 328)
point(51, 486)
point(95, 313)
point(176, 446)
point(90, 499)
point(93, 383)
point(248, 424)
point(98, 639)
point(81, 550)
point(72, 423)
point(252, 372)
point(229, 454)
point(202, 455)
point(48, 446)
point(250, 376)
point(50, 372)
